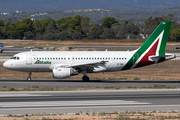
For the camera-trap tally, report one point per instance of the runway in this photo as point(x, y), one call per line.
point(88, 101)
point(53, 83)
point(12, 51)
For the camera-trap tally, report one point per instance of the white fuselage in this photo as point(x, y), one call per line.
point(115, 60)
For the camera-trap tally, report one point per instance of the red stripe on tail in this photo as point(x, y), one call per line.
point(145, 61)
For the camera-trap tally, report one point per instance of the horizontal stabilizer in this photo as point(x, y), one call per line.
point(158, 57)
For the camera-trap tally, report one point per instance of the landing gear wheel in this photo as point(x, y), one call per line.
point(29, 76)
point(29, 79)
point(85, 78)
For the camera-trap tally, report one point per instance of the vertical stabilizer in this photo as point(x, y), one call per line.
point(154, 46)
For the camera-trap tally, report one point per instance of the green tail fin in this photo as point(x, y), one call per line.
point(153, 46)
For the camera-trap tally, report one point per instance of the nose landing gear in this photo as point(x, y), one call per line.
point(29, 76)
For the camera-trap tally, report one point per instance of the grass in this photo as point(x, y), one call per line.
point(152, 72)
point(37, 88)
point(127, 115)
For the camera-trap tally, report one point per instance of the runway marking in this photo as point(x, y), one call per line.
point(71, 103)
point(92, 107)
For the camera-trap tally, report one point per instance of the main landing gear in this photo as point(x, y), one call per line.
point(29, 76)
point(85, 78)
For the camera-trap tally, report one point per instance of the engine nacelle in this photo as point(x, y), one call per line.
point(61, 73)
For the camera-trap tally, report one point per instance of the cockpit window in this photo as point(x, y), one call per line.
point(15, 58)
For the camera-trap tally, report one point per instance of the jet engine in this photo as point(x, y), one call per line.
point(61, 73)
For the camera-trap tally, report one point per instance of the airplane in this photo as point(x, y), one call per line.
point(64, 64)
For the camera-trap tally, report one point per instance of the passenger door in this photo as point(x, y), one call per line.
point(28, 59)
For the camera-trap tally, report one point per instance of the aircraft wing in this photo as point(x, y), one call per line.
point(89, 64)
point(80, 65)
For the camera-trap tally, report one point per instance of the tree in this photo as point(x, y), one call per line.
point(132, 28)
point(85, 22)
point(1, 23)
point(29, 35)
point(174, 35)
point(1, 28)
point(108, 33)
point(20, 29)
point(51, 24)
point(150, 24)
point(95, 31)
point(73, 25)
point(77, 35)
point(116, 27)
point(64, 35)
point(37, 26)
point(39, 36)
point(29, 22)
point(62, 23)
point(9, 30)
point(1, 33)
point(108, 21)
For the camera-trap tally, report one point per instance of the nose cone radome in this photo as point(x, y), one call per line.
point(5, 64)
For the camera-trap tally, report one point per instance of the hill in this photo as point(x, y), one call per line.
point(49, 5)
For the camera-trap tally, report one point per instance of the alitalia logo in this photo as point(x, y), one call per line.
point(42, 62)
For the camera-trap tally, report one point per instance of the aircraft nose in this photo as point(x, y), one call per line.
point(5, 64)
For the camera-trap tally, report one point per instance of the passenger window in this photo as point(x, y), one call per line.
point(17, 58)
point(68, 58)
point(64, 58)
